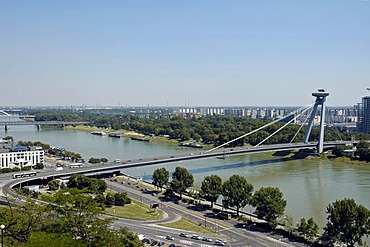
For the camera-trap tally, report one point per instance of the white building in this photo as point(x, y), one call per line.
point(19, 156)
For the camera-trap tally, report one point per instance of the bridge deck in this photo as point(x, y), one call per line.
point(202, 155)
point(41, 123)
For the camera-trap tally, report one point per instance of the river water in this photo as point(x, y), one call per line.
point(308, 185)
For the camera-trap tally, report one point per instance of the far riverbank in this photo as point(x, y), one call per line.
point(124, 133)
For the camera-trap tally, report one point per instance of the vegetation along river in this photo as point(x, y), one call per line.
point(308, 185)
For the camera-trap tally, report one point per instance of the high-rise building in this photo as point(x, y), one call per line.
point(363, 123)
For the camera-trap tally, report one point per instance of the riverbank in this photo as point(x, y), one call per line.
point(344, 160)
point(124, 133)
point(127, 133)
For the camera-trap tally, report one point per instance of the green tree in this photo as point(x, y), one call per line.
point(302, 227)
point(308, 228)
point(21, 220)
point(103, 160)
point(338, 151)
point(211, 188)
point(362, 150)
point(8, 138)
point(102, 185)
point(313, 228)
point(109, 200)
point(54, 184)
point(181, 180)
point(100, 198)
point(120, 199)
point(39, 166)
point(78, 181)
point(160, 177)
point(82, 182)
point(93, 160)
point(237, 192)
point(347, 222)
point(39, 238)
point(269, 204)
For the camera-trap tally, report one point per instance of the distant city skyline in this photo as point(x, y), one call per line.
point(183, 53)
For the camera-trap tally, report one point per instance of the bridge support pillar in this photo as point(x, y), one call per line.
point(320, 100)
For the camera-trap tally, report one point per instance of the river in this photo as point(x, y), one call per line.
point(308, 185)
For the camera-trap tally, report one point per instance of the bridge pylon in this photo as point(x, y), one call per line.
point(320, 100)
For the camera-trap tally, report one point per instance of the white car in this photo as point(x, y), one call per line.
point(219, 242)
point(168, 237)
point(195, 236)
point(207, 239)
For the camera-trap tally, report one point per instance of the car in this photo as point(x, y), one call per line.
point(224, 241)
point(169, 237)
point(146, 241)
point(154, 243)
point(195, 236)
point(172, 245)
point(184, 235)
point(220, 243)
point(160, 243)
point(154, 194)
point(206, 239)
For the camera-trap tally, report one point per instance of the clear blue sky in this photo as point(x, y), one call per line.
point(201, 53)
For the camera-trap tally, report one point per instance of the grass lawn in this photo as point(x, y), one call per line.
point(135, 210)
point(188, 225)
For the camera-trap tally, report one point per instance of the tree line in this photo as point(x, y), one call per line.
point(360, 152)
point(237, 192)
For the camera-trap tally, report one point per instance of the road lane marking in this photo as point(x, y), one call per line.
point(186, 242)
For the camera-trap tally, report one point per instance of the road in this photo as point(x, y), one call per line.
point(229, 230)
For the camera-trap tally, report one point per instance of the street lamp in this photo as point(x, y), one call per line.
point(2, 227)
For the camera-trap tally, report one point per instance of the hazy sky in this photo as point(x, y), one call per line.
point(196, 52)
